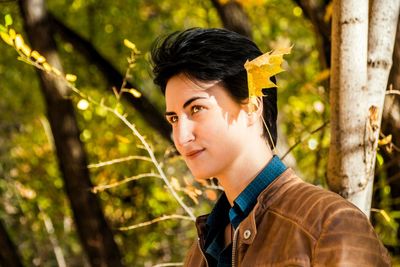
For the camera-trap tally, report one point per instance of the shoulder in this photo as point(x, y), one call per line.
point(340, 231)
point(312, 207)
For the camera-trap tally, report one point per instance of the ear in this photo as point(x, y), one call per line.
point(254, 108)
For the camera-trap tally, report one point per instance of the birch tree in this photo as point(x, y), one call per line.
point(361, 61)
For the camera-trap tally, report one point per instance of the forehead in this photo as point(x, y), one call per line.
point(180, 88)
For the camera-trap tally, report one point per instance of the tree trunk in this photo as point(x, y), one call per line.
point(348, 99)
point(8, 253)
point(358, 87)
point(149, 113)
point(95, 234)
point(233, 17)
point(381, 38)
point(314, 11)
point(391, 125)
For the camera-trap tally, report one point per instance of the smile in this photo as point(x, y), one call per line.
point(194, 153)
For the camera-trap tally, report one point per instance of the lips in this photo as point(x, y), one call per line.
point(194, 153)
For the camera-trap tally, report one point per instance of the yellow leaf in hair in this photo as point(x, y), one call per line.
point(261, 69)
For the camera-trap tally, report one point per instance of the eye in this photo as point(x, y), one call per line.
point(172, 119)
point(196, 109)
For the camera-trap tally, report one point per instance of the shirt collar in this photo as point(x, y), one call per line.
point(223, 213)
point(246, 200)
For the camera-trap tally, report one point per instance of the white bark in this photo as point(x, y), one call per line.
point(384, 15)
point(360, 70)
point(348, 89)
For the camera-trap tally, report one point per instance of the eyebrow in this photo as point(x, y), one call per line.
point(187, 103)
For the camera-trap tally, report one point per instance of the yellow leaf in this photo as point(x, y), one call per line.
point(8, 19)
point(386, 140)
point(71, 77)
point(328, 12)
point(261, 69)
point(47, 67)
point(19, 42)
point(131, 46)
point(12, 33)
point(6, 38)
point(135, 93)
point(123, 139)
point(38, 57)
point(323, 75)
point(26, 50)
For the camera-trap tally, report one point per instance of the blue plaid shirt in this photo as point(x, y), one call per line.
point(222, 214)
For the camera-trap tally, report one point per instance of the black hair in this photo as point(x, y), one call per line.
point(212, 55)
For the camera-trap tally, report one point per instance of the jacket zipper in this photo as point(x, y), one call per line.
point(201, 251)
point(234, 247)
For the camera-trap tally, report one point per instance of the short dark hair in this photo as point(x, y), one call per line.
point(212, 55)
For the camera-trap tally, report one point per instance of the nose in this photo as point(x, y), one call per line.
point(183, 132)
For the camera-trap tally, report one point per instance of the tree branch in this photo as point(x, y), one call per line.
point(150, 114)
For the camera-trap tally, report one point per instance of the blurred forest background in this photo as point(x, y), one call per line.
point(50, 216)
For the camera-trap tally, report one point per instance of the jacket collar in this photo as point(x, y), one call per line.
point(264, 201)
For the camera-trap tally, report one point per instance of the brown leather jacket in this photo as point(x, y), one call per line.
point(297, 224)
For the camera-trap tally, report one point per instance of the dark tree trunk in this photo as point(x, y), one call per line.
point(95, 234)
point(150, 114)
point(8, 253)
point(314, 11)
point(233, 17)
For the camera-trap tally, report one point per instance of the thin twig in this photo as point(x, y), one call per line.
point(393, 92)
point(124, 181)
point(301, 140)
point(155, 162)
point(159, 219)
point(119, 160)
point(168, 264)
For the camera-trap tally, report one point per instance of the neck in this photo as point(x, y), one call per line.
point(244, 169)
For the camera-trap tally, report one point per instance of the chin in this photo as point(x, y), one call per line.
point(198, 175)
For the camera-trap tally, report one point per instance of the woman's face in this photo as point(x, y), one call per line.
point(209, 127)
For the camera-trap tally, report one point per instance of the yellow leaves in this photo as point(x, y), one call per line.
point(131, 46)
point(19, 42)
point(8, 20)
point(37, 57)
point(32, 57)
point(328, 12)
point(47, 67)
point(245, 3)
point(385, 141)
point(71, 77)
point(6, 38)
point(131, 91)
point(12, 34)
point(261, 69)
point(26, 50)
point(135, 93)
